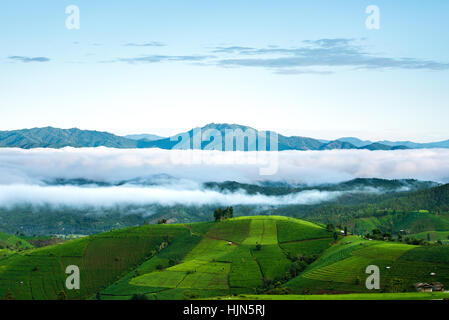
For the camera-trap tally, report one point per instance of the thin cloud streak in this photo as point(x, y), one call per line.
point(29, 59)
point(145, 44)
point(78, 197)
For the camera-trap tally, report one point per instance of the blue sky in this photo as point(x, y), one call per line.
point(308, 68)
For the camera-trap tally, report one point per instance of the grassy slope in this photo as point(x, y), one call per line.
point(216, 259)
point(412, 222)
point(102, 259)
point(342, 267)
point(9, 244)
point(224, 261)
point(443, 236)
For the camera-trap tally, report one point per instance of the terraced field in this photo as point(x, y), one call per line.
point(239, 256)
point(102, 259)
point(227, 260)
point(342, 267)
point(442, 236)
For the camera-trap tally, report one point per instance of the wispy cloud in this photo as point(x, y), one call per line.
point(296, 72)
point(29, 59)
point(234, 49)
point(145, 44)
point(320, 57)
point(162, 58)
point(328, 53)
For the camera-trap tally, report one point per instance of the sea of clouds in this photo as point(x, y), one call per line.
point(25, 174)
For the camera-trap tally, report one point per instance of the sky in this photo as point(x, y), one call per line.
point(309, 68)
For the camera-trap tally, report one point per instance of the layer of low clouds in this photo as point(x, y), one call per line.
point(75, 196)
point(176, 176)
point(20, 166)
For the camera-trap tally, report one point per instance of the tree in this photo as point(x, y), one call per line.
point(230, 213)
point(139, 296)
point(190, 294)
point(346, 231)
point(62, 295)
point(218, 214)
point(9, 295)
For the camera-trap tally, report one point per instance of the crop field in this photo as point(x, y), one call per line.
point(40, 273)
point(413, 222)
point(227, 259)
point(419, 264)
point(245, 271)
point(342, 267)
point(307, 247)
point(443, 236)
point(235, 230)
point(255, 233)
point(239, 256)
point(296, 230)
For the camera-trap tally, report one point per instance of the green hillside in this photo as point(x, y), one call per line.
point(341, 268)
point(411, 222)
point(245, 255)
point(10, 244)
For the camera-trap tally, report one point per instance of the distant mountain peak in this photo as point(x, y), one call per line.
point(50, 137)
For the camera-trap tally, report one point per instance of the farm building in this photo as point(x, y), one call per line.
point(437, 286)
point(426, 287)
point(423, 287)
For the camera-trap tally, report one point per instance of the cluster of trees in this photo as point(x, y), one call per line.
point(300, 263)
point(377, 234)
point(331, 228)
point(429, 200)
point(220, 214)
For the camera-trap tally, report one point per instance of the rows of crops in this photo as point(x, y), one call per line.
point(40, 273)
point(233, 256)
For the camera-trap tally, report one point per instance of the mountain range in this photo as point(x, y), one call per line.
point(50, 137)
